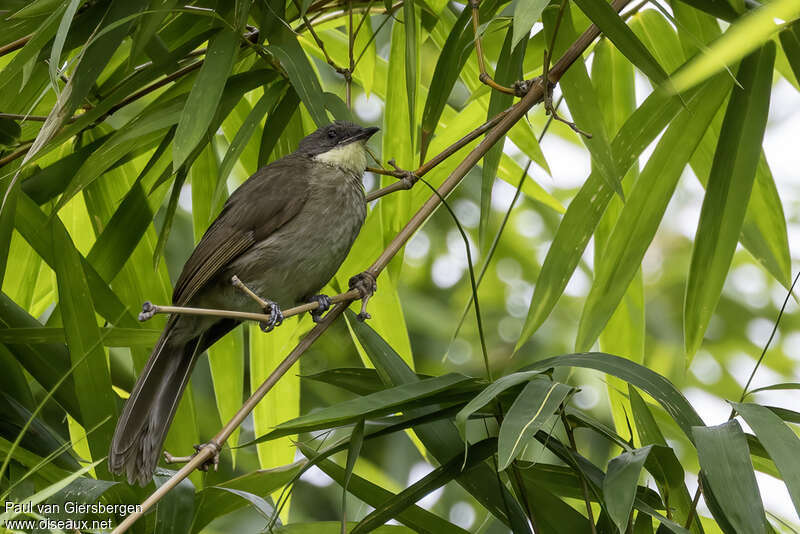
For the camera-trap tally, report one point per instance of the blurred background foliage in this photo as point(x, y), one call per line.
point(121, 133)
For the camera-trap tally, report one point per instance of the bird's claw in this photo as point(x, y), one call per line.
point(366, 285)
point(148, 311)
point(275, 317)
point(324, 302)
point(211, 462)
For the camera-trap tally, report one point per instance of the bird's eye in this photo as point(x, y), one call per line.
point(331, 133)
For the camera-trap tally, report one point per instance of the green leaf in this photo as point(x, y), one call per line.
point(304, 80)
point(728, 192)
point(662, 462)
point(780, 442)
point(58, 42)
point(264, 104)
point(441, 438)
point(215, 501)
point(644, 209)
point(332, 527)
point(532, 408)
point(613, 27)
point(509, 70)
point(582, 101)
point(435, 479)
point(169, 216)
point(415, 517)
point(276, 122)
point(635, 374)
point(725, 461)
point(587, 208)
point(452, 58)
point(412, 43)
point(790, 41)
point(34, 46)
point(743, 36)
point(379, 403)
point(175, 510)
point(525, 14)
point(619, 486)
point(353, 452)
point(489, 394)
point(92, 379)
point(146, 129)
point(201, 105)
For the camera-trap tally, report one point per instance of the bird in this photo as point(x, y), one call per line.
point(284, 233)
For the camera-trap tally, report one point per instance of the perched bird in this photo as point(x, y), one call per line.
point(284, 233)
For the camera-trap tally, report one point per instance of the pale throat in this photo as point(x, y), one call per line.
point(351, 157)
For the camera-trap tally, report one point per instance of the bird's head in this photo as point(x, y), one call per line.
point(341, 144)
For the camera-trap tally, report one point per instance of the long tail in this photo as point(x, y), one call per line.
point(143, 425)
point(145, 420)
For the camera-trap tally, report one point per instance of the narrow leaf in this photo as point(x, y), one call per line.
point(644, 209)
point(780, 442)
point(613, 27)
point(728, 192)
point(725, 461)
point(619, 486)
point(201, 105)
point(525, 14)
point(531, 409)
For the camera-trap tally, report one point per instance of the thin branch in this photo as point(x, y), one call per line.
point(509, 118)
point(351, 40)
point(484, 76)
point(21, 151)
point(14, 45)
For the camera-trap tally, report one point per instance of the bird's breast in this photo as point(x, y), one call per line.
point(299, 258)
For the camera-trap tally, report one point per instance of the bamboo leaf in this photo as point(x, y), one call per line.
point(412, 43)
point(175, 510)
point(613, 27)
point(525, 14)
point(728, 192)
point(201, 104)
point(301, 75)
point(353, 452)
point(588, 206)
point(509, 70)
point(264, 104)
point(790, 41)
point(619, 486)
point(441, 437)
point(637, 375)
point(58, 42)
point(418, 519)
point(92, 378)
point(531, 410)
point(583, 103)
point(644, 209)
point(381, 402)
point(489, 394)
point(435, 479)
point(742, 37)
point(780, 442)
point(725, 461)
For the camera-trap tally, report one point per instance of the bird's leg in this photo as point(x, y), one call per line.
point(324, 302)
point(270, 308)
point(366, 285)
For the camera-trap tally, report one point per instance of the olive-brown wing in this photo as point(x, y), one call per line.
point(261, 205)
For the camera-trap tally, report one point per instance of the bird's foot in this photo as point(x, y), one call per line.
point(213, 461)
point(366, 285)
point(324, 302)
point(148, 311)
point(275, 317)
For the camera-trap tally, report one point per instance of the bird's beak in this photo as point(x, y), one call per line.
point(365, 133)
